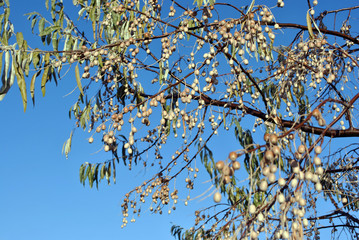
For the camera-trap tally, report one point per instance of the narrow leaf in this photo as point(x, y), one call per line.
point(78, 79)
point(82, 171)
point(6, 83)
point(49, 30)
point(67, 146)
point(309, 25)
point(20, 82)
point(32, 86)
point(41, 25)
point(44, 80)
point(114, 171)
point(19, 38)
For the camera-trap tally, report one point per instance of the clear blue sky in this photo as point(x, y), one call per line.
point(41, 196)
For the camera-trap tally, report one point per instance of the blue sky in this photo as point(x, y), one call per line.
point(41, 196)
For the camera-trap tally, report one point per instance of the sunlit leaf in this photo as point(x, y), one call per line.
point(44, 80)
point(32, 85)
point(309, 25)
point(19, 39)
point(20, 82)
point(78, 79)
point(66, 148)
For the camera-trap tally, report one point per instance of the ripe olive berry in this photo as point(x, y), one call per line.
point(263, 186)
point(227, 179)
point(269, 155)
point(276, 150)
point(266, 137)
point(316, 113)
point(318, 149)
point(217, 197)
point(273, 139)
point(301, 149)
point(220, 165)
point(236, 165)
point(233, 156)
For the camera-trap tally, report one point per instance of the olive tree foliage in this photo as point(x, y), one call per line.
point(153, 75)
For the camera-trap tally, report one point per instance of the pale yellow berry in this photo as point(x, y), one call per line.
point(318, 149)
point(281, 182)
point(252, 209)
point(216, 197)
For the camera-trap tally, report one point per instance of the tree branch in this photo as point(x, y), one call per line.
point(330, 32)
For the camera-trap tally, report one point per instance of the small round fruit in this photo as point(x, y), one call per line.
point(220, 165)
point(318, 187)
point(263, 186)
point(294, 183)
point(281, 198)
point(302, 202)
point(319, 171)
point(318, 149)
point(315, 178)
point(316, 113)
point(344, 200)
point(273, 139)
point(111, 133)
point(301, 149)
point(296, 170)
point(266, 171)
point(260, 217)
point(305, 222)
point(217, 197)
point(285, 234)
point(233, 156)
point(273, 168)
point(281, 182)
point(276, 150)
point(269, 155)
point(91, 140)
point(236, 165)
point(252, 209)
point(317, 161)
point(227, 179)
point(266, 137)
point(227, 171)
point(298, 155)
point(321, 122)
point(114, 116)
point(271, 178)
point(254, 234)
point(107, 148)
point(134, 130)
point(308, 176)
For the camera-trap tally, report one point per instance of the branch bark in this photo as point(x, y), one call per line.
point(298, 26)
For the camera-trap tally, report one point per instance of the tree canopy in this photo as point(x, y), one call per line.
point(154, 77)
